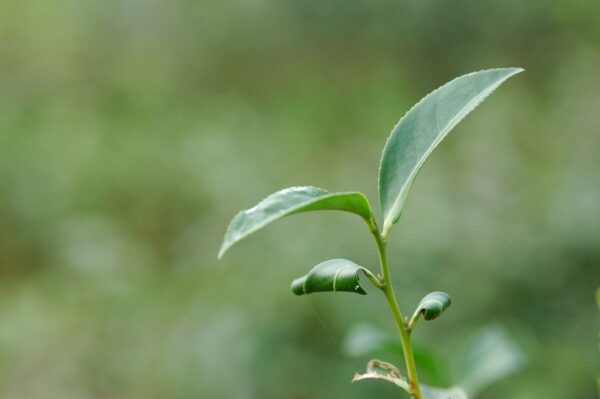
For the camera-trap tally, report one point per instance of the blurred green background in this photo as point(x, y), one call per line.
point(132, 131)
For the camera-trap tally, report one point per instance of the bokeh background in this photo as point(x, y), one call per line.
point(132, 131)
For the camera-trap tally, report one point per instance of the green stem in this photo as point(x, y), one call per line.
point(413, 320)
point(402, 327)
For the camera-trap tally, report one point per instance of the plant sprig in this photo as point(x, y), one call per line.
point(409, 145)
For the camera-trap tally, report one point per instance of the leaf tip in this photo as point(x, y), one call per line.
point(297, 286)
point(515, 70)
point(509, 72)
point(224, 247)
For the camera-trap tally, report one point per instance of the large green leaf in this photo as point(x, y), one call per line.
point(433, 304)
point(422, 128)
point(443, 393)
point(331, 275)
point(288, 202)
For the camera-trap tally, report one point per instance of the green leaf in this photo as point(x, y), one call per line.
point(433, 304)
point(378, 370)
point(443, 393)
point(490, 355)
point(331, 275)
point(288, 202)
point(422, 128)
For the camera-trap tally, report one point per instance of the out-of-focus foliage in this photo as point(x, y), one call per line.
point(485, 358)
point(489, 356)
point(132, 131)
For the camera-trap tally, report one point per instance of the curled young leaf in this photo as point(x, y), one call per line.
point(378, 370)
point(288, 202)
point(443, 393)
point(332, 275)
point(422, 128)
point(433, 304)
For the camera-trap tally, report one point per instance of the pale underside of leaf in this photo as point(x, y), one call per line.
point(378, 370)
point(363, 339)
point(422, 128)
point(443, 393)
point(288, 202)
point(490, 356)
point(331, 276)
